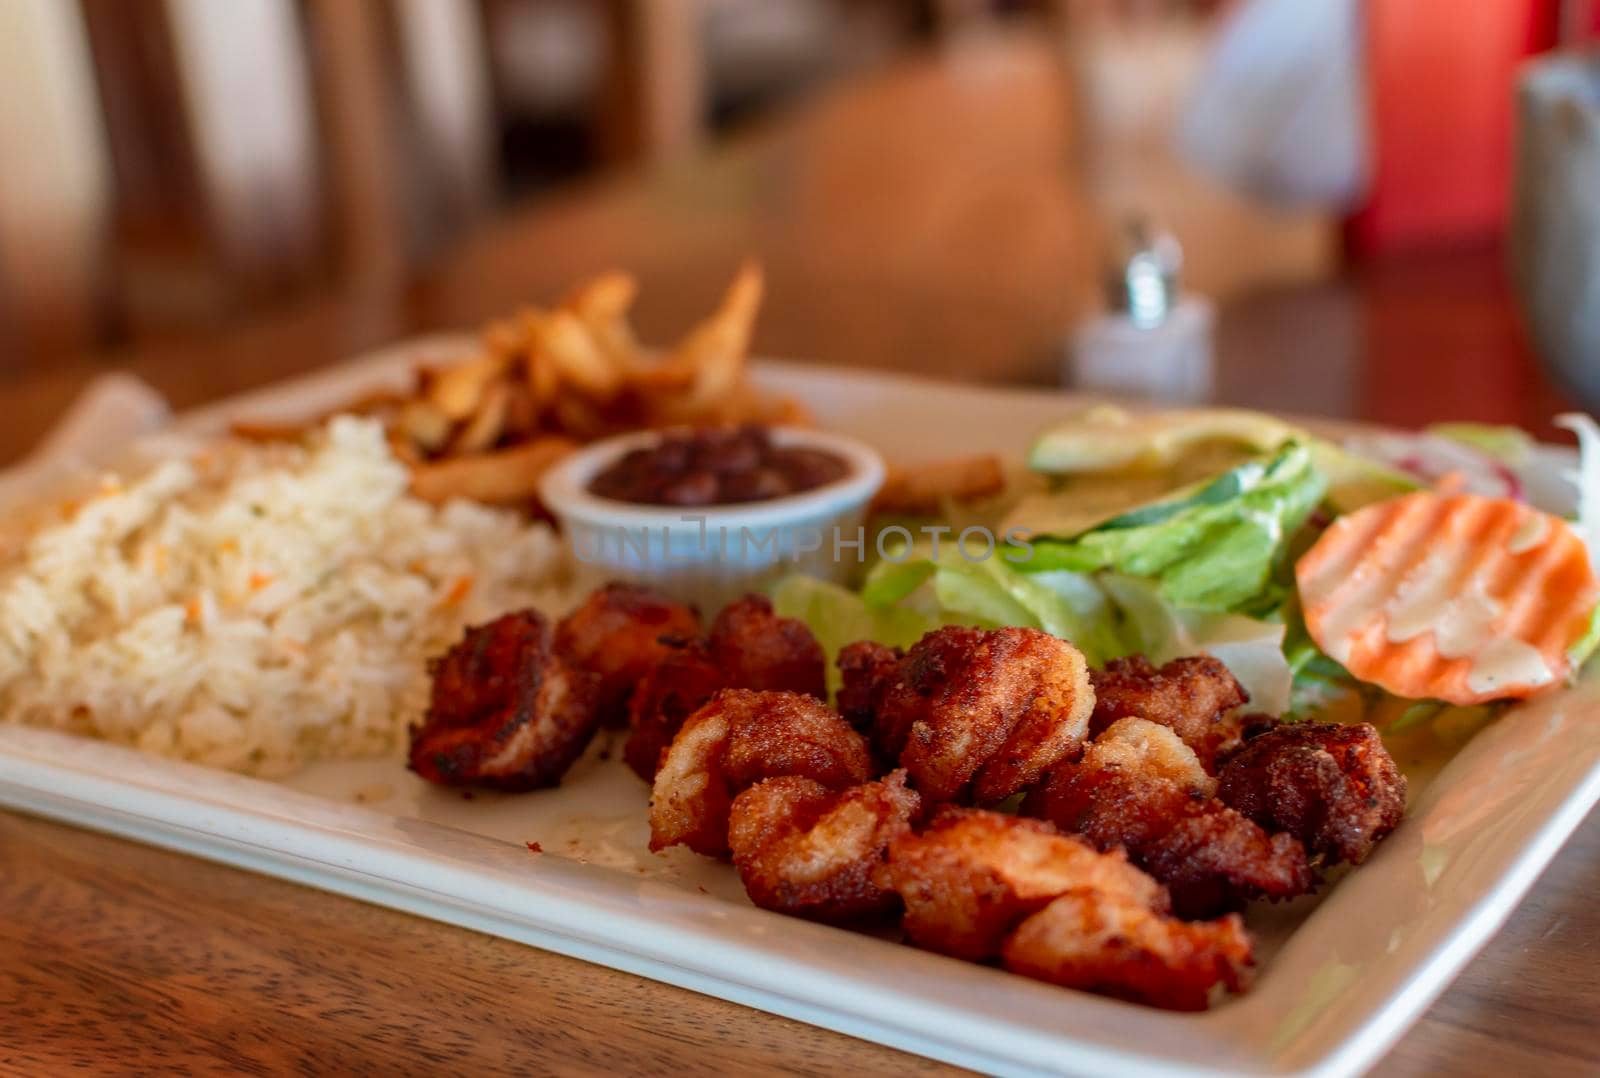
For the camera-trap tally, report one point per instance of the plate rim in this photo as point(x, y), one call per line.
point(1358, 1043)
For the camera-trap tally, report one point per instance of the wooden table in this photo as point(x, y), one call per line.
point(924, 220)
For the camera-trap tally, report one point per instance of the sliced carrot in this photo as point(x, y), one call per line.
point(1452, 597)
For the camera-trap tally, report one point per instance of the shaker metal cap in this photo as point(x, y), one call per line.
point(1143, 278)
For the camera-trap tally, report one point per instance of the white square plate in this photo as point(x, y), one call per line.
point(1342, 975)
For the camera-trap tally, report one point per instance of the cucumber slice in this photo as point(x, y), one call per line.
point(1094, 503)
point(1105, 438)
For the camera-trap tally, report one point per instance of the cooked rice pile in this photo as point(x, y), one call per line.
point(256, 607)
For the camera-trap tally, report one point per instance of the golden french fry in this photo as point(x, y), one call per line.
point(502, 477)
point(672, 410)
point(709, 361)
point(602, 303)
point(543, 380)
point(483, 429)
point(925, 488)
point(404, 449)
point(605, 295)
point(256, 430)
point(746, 404)
point(504, 337)
point(740, 404)
point(787, 412)
point(423, 426)
point(564, 340)
point(522, 417)
point(456, 390)
point(378, 402)
point(577, 416)
point(661, 377)
point(718, 346)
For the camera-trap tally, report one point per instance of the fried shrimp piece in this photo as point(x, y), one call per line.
point(1191, 695)
point(678, 687)
point(1332, 786)
point(506, 712)
point(1118, 948)
point(766, 653)
point(749, 647)
point(1213, 859)
point(1138, 787)
point(809, 851)
point(736, 740)
point(983, 714)
point(1228, 735)
point(617, 634)
point(867, 671)
point(971, 876)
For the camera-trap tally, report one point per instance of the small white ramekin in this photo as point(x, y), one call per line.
point(715, 554)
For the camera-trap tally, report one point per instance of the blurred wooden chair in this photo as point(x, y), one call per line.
point(166, 162)
point(181, 160)
point(653, 101)
point(55, 197)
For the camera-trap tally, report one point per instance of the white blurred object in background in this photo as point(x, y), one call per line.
point(1279, 111)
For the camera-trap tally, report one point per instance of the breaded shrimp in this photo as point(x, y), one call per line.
point(678, 687)
point(971, 876)
point(736, 740)
point(867, 671)
point(506, 712)
point(983, 714)
point(1332, 786)
point(749, 647)
point(1191, 695)
point(804, 849)
point(1138, 787)
point(765, 653)
point(1108, 945)
point(617, 634)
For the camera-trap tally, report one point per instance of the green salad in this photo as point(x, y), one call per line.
point(1177, 533)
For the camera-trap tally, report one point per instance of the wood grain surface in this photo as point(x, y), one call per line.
point(118, 958)
point(115, 957)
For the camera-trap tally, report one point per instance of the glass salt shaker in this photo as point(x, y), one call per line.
point(1152, 341)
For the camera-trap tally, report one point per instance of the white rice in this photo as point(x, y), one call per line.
point(256, 607)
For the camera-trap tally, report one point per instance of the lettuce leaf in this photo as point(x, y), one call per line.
point(1210, 553)
point(955, 590)
point(1105, 616)
point(838, 616)
point(1584, 649)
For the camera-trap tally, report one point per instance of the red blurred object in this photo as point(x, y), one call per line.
point(1441, 76)
point(1441, 339)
